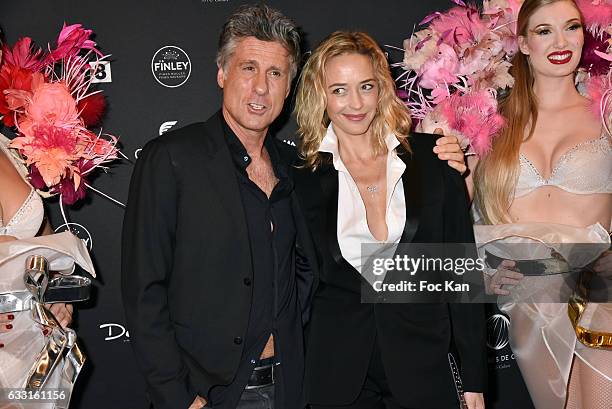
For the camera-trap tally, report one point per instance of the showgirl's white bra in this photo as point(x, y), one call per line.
point(593, 158)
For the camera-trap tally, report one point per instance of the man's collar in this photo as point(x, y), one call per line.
point(237, 149)
point(239, 153)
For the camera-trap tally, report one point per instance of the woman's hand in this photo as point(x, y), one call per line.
point(447, 148)
point(474, 400)
point(6, 322)
point(603, 265)
point(198, 403)
point(503, 276)
point(62, 312)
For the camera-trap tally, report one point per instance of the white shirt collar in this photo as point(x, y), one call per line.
point(329, 144)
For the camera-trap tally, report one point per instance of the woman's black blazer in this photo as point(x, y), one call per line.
point(414, 339)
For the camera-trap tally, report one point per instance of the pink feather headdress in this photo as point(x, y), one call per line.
point(48, 98)
point(597, 14)
point(454, 68)
point(595, 72)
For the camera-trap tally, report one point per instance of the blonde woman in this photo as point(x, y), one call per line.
point(549, 178)
point(367, 179)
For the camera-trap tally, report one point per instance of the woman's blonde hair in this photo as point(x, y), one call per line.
point(391, 115)
point(497, 173)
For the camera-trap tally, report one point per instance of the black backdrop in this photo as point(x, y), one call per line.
point(140, 108)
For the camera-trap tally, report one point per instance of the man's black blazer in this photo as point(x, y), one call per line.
point(413, 338)
point(185, 261)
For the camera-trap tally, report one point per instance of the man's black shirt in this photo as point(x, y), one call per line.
point(272, 236)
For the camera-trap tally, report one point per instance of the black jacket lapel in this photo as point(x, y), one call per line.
point(329, 188)
point(222, 174)
point(412, 195)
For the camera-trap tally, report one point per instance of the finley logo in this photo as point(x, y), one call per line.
point(78, 230)
point(498, 327)
point(171, 66)
point(165, 127)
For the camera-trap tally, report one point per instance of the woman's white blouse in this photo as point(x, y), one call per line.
point(352, 229)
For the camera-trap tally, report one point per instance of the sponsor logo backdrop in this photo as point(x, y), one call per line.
point(161, 75)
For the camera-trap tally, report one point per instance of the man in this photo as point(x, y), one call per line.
point(215, 284)
point(212, 285)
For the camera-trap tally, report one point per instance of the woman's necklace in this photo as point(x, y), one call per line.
point(374, 188)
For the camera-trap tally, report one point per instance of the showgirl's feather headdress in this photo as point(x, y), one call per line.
point(456, 66)
point(47, 96)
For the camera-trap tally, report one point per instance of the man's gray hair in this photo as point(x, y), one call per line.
point(265, 24)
